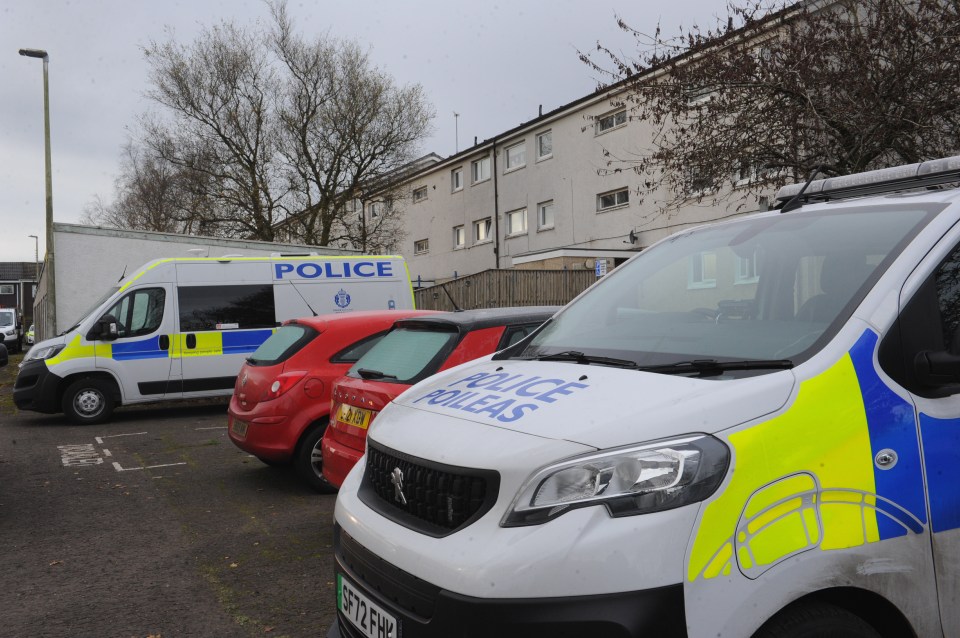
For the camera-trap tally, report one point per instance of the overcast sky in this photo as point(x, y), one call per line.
point(493, 63)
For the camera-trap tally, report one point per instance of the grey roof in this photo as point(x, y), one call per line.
point(17, 270)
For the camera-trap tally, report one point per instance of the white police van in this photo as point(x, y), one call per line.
point(749, 429)
point(181, 328)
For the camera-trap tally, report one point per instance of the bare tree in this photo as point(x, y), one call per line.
point(152, 194)
point(345, 127)
point(771, 93)
point(269, 132)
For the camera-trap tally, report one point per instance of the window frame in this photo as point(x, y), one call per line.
point(456, 180)
point(696, 280)
point(522, 147)
point(613, 116)
point(541, 224)
point(483, 161)
point(421, 246)
point(510, 215)
point(616, 195)
point(545, 134)
point(420, 194)
point(488, 221)
point(462, 235)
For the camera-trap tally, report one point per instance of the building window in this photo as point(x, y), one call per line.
point(375, 209)
point(419, 194)
point(516, 156)
point(516, 222)
point(545, 145)
point(747, 270)
point(459, 237)
point(456, 180)
point(421, 246)
point(613, 199)
point(703, 270)
point(611, 121)
point(480, 170)
point(699, 94)
point(481, 230)
point(545, 215)
point(6, 289)
point(696, 182)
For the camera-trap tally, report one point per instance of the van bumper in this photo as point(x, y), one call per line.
point(426, 611)
point(37, 389)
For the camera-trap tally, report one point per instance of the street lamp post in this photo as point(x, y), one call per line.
point(50, 302)
point(36, 258)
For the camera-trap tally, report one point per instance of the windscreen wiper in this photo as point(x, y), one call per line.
point(712, 367)
point(374, 374)
point(584, 359)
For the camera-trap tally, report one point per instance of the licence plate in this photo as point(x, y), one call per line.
point(354, 416)
point(364, 614)
point(239, 428)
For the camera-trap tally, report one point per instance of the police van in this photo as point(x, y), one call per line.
point(751, 428)
point(181, 328)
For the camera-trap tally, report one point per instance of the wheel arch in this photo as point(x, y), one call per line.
point(322, 418)
point(65, 382)
point(873, 608)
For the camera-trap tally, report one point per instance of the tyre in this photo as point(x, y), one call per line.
point(88, 401)
point(308, 462)
point(816, 620)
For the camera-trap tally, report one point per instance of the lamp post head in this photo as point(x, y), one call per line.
point(34, 53)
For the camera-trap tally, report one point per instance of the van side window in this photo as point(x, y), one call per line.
point(928, 322)
point(226, 307)
point(139, 312)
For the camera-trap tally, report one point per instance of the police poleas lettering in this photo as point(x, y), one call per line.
point(344, 269)
point(500, 396)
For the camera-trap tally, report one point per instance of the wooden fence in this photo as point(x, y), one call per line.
point(502, 288)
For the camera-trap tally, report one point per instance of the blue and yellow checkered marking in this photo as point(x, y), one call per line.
point(806, 479)
point(209, 344)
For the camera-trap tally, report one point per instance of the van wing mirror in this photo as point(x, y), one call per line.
point(106, 328)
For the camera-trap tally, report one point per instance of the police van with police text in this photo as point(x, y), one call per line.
point(751, 428)
point(181, 328)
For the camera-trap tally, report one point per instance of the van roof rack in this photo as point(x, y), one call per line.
point(886, 180)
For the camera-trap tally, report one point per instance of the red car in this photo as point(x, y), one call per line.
point(281, 400)
point(415, 349)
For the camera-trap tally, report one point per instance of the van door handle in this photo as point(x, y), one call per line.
point(191, 341)
point(164, 342)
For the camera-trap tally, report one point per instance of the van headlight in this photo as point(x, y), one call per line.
point(637, 479)
point(45, 352)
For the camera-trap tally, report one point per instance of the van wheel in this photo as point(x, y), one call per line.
point(309, 460)
point(816, 620)
point(88, 401)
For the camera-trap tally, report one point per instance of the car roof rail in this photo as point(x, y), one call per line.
point(938, 172)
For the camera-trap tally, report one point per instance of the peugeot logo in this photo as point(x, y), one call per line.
point(396, 477)
point(243, 380)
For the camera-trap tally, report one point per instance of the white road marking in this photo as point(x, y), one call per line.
point(118, 468)
point(100, 439)
point(85, 454)
point(106, 452)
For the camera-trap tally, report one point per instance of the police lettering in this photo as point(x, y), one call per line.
point(344, 269)
point(500, 396)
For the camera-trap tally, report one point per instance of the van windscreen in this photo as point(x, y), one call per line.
point(282, 344)
point(769, 288)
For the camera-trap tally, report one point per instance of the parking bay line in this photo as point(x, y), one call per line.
point(118, 468)
point(99, 439)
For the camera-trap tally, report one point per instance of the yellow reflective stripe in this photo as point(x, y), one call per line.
point(209, 344)
point(823, 434)
point(145, 271)
point(75, 350)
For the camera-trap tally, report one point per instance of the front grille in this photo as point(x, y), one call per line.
point(440, 499)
